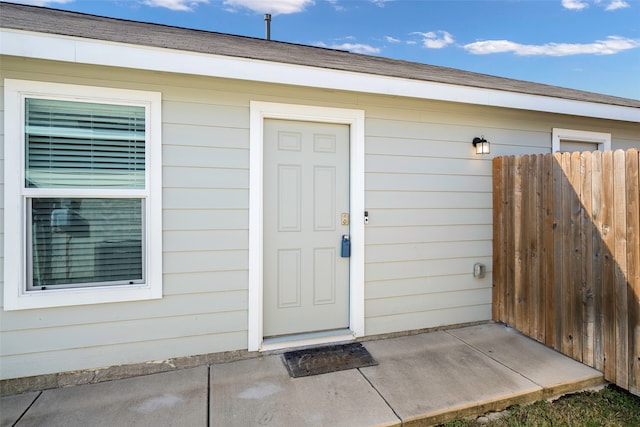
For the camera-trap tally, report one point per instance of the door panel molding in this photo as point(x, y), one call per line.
point(259, 111)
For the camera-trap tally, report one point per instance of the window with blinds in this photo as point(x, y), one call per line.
point(86, 240)
point(84, 145)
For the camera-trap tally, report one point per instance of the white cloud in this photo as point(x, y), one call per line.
point(583, 4)
point(352, 47)
point(41, 2)
point(391, 39)
point(575, 4)
point(610, 46)
point(379, 3)
point(436, 39)
point(182, 5)
point(336, 6)
point(617, 4)
point(275, 7)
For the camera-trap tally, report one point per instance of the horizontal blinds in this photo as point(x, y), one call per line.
point(86, 241)
point(84, 145)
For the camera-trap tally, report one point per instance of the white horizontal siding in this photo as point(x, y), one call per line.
point(205, 282)
point(206, 136)
point(428, 196)
point(430, 212)
point(205, 242)
point(428, 200)
point(85, 318)
point(203, 261)
point(206, 198)
point(205, 157)
point(422, 268)
point(427, 251)
point(205, 114)
point(429, 165)
point(204, 177)
point(121, 354)
point(377, 181)
point(440, 233)
point(111, 333)
point(382, 289)
point(624, 144)
point(427, 302)
point(211, 219)
point(437, 317)
point(426, 217)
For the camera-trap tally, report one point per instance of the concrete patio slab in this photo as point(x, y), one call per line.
point(260, 392)
point(12, 407)
point(544, 366)
point(421, 379)
point(435, 377)
point(166, 399)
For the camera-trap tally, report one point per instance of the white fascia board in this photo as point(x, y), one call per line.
point(98, 52)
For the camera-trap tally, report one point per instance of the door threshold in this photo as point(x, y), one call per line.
point(308, 339)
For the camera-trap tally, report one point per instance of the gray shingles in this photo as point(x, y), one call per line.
point(52, 21)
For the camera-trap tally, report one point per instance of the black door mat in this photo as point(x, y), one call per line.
point(322, 360)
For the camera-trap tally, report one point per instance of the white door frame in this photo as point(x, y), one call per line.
point(259, 111)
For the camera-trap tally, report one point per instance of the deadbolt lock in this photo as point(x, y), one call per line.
point(344, 219)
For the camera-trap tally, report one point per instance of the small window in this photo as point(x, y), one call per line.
point(86, 209)
point(567, 140)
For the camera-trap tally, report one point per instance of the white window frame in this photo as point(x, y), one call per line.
point(16, 296)
point(558, 135)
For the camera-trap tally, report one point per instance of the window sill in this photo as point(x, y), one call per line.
point(81, 296)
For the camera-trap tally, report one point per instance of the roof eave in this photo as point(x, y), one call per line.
point(37, 45)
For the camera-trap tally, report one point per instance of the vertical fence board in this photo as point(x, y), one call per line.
point(574, 294)
point(608, 270)
point(534, 220)
point(558, 250)
point(597, 264)
point(586, 273)
point(620, 257)
point(510, 236)
point(517, 243)
point(568, 275)
point(528, 223)
point(548, 254)
point(567, 256)
point(525, 281)
point(633, 267)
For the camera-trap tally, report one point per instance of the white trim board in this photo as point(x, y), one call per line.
point(259, 111)
point(558, 135)
point(97, 52)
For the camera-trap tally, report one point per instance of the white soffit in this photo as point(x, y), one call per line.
point(98, 52)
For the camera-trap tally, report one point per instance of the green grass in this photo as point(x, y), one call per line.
point(610, 406)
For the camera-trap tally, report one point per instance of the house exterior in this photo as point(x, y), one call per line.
point(171, 192)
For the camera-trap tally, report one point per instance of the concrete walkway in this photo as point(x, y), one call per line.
point(423, 379)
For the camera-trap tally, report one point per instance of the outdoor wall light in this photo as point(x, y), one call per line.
point(481, 145)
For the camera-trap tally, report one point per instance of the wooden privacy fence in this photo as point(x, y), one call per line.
point(566, 256)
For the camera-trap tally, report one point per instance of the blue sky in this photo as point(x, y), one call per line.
point(592, 45)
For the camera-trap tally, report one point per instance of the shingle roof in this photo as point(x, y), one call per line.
point(52, 21)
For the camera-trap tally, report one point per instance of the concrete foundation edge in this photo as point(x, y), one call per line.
point(13, 386)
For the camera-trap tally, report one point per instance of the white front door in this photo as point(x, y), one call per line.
point(306, 219)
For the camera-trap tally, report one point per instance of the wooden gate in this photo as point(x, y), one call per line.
point(566, 256)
